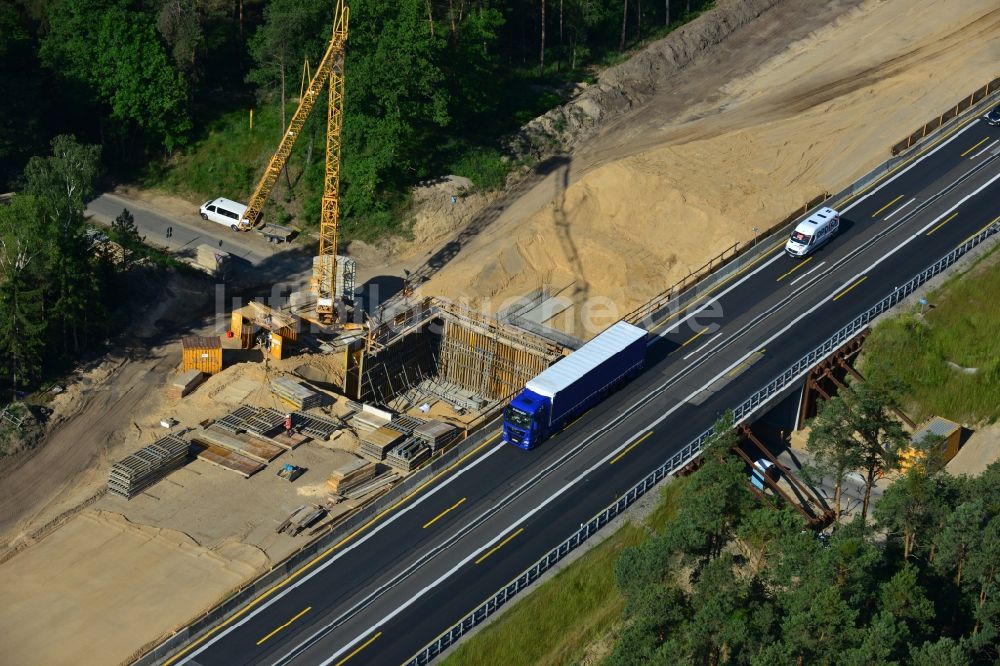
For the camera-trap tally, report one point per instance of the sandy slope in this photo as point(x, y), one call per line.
point(655, 197)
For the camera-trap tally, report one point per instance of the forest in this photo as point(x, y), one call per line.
point(95, 93)
point(733, 579)
point(432, 85)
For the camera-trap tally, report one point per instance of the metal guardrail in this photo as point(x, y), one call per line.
point(948, 115)
point(730, 262)
point(689, 452)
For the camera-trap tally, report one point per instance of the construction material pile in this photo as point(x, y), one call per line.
point(186, 382)
point(409, 455)
point(436, 434)
point(317, 427)
point(142, 469)
point(296, 394)
point(375, 444)
point(261, 421)
point(350, 476)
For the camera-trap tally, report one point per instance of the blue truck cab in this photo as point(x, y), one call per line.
point(574, 384)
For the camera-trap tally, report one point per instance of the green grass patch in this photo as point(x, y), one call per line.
point(960, 328)
point(486, 168)
point(556, 622)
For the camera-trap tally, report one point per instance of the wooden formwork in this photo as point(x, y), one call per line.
point(484, 362)
point(456, 346)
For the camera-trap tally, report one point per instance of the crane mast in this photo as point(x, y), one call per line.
point(329, 72)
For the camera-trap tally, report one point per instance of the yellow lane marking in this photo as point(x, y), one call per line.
point(715, 288)
point(949, 219)
point(906, 163)
point(985, 139)
point(981, 230)
point(300, 614)
point(797, 267)
point(695, 337)
point(359, 648)
point(499, 545)
point(571, 423)
point(311, 563)
point(630, 447)
point(876, 213)
point(753, 358)
point(841, 294)
point(442, 514)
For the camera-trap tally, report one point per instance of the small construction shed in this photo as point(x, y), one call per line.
point(201, 353)
point(948, 432)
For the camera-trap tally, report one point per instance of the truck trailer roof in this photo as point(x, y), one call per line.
point(565, 372)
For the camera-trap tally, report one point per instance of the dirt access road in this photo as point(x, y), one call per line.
point(105, 407)
point(61, 475)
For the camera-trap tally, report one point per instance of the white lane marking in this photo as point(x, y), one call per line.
point(707, 342)
point(985, 149)
point(903, 244)
point(614, 452)
point(811, 270)
point(900, 208)
point(915, 162)
point(346, 550)
point(713, 299)
point(517, 523)
point(676, 326)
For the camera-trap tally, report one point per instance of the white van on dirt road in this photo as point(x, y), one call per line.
point(225, 211)
point(813, 232)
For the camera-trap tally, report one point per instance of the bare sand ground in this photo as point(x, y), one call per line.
point(94, 590)
point(692, 170)
point(658, 195)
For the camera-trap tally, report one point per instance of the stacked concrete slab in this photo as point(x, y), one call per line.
point(142, 469)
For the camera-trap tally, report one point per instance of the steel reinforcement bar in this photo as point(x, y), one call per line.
point(689, 453)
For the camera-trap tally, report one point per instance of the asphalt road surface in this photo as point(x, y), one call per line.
point(185, 233)
point(385, 591)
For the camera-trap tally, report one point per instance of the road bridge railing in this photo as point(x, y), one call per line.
point(741, 413)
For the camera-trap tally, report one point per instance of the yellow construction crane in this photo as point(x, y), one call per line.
point(330, 71)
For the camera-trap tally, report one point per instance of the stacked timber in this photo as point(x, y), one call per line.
point(185, 382)
point(409, 455)
point(375, 444)
point(139, 471)
point(296, 394)
point(375, 486)
point(349, 476)
point(436, 434)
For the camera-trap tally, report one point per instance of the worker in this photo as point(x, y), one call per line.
point(288, 424)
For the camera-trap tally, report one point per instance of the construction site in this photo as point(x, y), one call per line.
point(296, 416)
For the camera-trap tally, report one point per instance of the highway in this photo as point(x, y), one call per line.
point(386, 590)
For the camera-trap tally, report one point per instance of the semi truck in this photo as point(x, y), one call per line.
point(574, 384)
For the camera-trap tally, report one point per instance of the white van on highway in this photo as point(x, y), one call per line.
point(224, 211)
point(813, 232)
